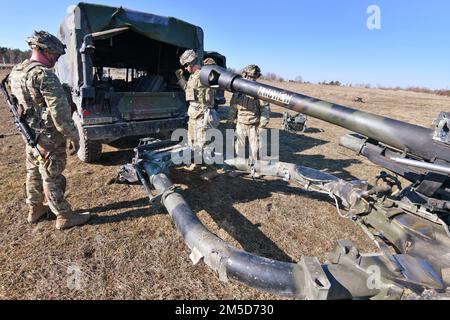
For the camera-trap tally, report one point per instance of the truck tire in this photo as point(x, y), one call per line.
point(90, 151)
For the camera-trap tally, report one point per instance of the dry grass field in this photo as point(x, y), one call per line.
point(133, 251)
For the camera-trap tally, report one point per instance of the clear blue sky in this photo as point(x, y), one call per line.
point(316, 39)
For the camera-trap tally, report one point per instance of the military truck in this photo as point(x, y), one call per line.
point(119, 73)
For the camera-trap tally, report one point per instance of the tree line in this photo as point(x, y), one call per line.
point(13, 56)
point(299, 79)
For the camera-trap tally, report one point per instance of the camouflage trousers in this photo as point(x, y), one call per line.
point(44, 177)
point(244, 131)
point(197, 132)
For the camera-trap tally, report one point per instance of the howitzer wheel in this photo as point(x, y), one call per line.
point(90, 151)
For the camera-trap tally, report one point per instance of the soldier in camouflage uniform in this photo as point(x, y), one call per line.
point(200, 98)
point(209, 62)
point(44, 106)
point(251, 116)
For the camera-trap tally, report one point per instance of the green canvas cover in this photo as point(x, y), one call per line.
point(165, 29)
point(91, 18)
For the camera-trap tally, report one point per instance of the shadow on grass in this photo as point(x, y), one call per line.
point(139, 208)
point(218, 200)
point(313, 130)
point(125, 216)
point(276, 115)
point(116, 158)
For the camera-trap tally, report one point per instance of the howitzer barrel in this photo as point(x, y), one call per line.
point(423, 165)
point(403, 136)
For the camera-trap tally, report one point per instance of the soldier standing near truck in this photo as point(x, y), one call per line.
point(210, 62)
point(43, 105)
point(200, 98)
point(251, 116)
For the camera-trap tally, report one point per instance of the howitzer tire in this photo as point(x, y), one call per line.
point(90, 151)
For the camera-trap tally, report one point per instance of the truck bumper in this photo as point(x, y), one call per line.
point(114, 131)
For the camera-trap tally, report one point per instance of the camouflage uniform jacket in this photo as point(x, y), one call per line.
point(200, 97)
point(42, 100)
point(249, 111)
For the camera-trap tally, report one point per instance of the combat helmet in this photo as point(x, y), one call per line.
point(252, 71)
point(209, 61)
point(188, 58)
point(46, 41)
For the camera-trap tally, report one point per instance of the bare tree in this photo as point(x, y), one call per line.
point(272, 77)
point(3, 51)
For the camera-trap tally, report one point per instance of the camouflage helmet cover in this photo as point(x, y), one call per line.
point(46, 41)
point(189, 57)
point(252, 71)
point(209, 61)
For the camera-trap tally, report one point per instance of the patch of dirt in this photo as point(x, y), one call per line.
point(133, 251)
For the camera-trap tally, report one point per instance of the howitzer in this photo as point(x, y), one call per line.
point(420, 258)
point(410, 228)
point(26, 132)
point(380, 138)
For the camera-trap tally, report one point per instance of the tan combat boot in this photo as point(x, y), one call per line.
point(191, 167)
point(36, 212)
point(68, 221)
